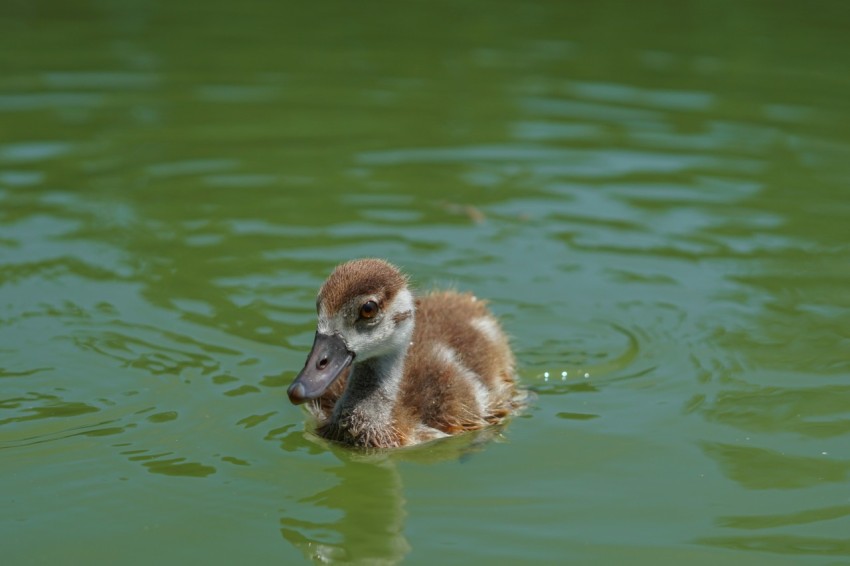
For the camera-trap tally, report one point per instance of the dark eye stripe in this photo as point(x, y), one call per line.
point(398, 317)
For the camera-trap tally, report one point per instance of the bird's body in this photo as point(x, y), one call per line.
point(389, 370)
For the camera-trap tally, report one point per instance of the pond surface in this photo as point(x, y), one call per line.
point(653, 196)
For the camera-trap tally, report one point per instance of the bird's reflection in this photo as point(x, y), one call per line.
point(371, 527)
point(369, 496)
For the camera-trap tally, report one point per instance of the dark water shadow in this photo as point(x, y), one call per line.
point(805, 517)
point(782, 544)
point(758, 468)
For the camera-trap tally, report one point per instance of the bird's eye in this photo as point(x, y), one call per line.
point(369, 309)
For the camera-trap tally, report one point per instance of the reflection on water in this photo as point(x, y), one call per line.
point(758, 468)
point(367, 522)
point(52, 407)
point(813, 412)
point(370, 527)
point(653, 199)
point(783, 544)
point(754, 522)
point(163, 463)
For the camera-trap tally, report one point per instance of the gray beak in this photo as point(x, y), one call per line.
point(327, 360)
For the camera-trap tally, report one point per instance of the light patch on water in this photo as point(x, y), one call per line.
point(21, 178)
point(787, 112)
point(588, 111)
point(534, 130)
point(193, 306)
point(668, 100)
point(35, 151)
point(49, 101)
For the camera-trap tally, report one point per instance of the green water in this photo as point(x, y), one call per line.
point(652, 195)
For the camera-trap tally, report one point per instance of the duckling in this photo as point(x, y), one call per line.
point(389, 370)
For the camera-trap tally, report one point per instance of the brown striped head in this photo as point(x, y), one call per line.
point(360, 277)
point(365, 311)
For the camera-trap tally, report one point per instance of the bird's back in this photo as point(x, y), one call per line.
point(459, 371)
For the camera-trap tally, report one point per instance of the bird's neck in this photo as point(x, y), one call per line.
point(365, 410)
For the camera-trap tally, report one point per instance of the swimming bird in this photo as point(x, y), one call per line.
point(387, 369)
